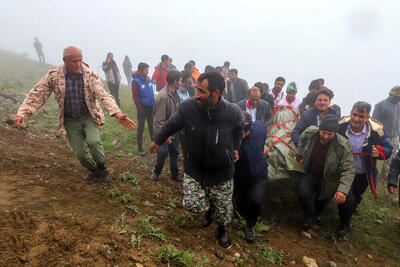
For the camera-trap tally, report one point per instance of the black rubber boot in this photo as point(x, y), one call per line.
point(207, 218)
point(104, 175)
point(223, 239)
point(343, 229)
point(249, 235)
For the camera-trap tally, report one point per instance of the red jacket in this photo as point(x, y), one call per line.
point(160, 76)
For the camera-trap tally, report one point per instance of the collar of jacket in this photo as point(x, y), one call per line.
point(372, 125)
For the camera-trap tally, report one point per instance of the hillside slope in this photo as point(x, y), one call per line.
point(50, 216)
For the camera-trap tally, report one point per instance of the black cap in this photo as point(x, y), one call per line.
point(329, 123)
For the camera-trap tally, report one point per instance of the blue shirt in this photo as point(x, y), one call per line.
point(357, 140)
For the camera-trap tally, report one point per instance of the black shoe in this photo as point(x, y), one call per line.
point(223, 239)
point(177, 178)
point(356, 210)
point(343, 229)
point(207, 218)
point(142, 153)
point(154, 177)
point(104, 175)
point(308, 223)
point(94, 174)
point(248, 233)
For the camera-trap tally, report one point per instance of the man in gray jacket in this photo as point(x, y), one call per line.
point(388, 112)
point(259, 109)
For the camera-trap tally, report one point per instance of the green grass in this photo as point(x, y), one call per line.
point(144, 226)
point(267, 255)
point(128, 178)
point(173, 202)
point(168, 254)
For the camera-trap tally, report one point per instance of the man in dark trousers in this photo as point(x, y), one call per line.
point(213, 133)
point(113, 77)
point(251, 171)
point(314, 115)
point(238, 89)
point(166, 105)
point(143, 96)
point(327, 160)
point(257, 108)
point(38, 47)
point(369, 143)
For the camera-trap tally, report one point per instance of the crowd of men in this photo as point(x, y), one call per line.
point(222, 125)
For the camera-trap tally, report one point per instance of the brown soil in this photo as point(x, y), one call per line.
point(49, 216)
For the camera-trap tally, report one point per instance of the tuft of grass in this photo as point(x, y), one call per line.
point(178, 219)
point(268, 255)
point(168, 254)
point(106, 248)
point(128, 178)
point(173, 202)
point(261, 228)
point(133, 208)
point(148, 204)
point(136, 240)
point(144, 226)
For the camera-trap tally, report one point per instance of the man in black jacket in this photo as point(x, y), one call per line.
point(213, 132)
point(393, 178)
point(238, 89)
point(259, 109)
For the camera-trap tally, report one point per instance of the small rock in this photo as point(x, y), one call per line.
point(309, 262)
point(370, 256)
point(237, 255)
point(161, 212)
point(332, 264)
point(220, 255)
point(379, 222)
point(292, 263)
point(230, 258)
point(139, 264)
point(305, 235)
point(245, 255)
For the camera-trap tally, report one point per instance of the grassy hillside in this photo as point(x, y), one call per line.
point(151, 210)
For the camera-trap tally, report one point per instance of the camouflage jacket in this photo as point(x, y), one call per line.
point(54, 81)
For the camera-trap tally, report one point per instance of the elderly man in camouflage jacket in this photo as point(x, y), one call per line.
point(77, 89)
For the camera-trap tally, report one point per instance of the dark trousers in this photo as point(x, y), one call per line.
point(145, 114)
point(173, 151)
point(248, 195)
point(114, 90)
point(359, 186)
point(310, 185)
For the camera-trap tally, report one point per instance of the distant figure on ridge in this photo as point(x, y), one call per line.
point(127, 66)
point(38, 46)
point(113, 77)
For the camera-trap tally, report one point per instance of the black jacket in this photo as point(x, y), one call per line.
point(309, 117)
point(263, 111)
point(239, 91)
point(393, 178)
point(210, 138)
point(268, 98)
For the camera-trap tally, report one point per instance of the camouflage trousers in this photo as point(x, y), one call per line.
point(199, 198)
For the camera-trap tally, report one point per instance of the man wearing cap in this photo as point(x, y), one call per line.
point(290, 99)
point(388, 113)
point(259, 109)
point(327, 160)
point(369, 143)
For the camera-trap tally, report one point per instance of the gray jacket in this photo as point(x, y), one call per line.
point(388, 112)
point(237, 90)
point(263, 111)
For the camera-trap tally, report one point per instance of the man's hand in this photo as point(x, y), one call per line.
point(375, 152)
point(154, 147)
point(125, 121)
point(18, 121)
point(168, 141)
point(235, 155)
point(339, 198)
point(392, 189)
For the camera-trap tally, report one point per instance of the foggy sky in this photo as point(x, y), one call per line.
point(353, 45)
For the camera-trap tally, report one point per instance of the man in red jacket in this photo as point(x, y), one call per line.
point(160, 74)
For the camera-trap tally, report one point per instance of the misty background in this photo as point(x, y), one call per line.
point(353, 45)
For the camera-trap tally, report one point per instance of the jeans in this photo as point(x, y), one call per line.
point(114, 90)
point(248, 195)
point(145, 114)
point(83, 133)
point(173, 151)
point(310, 184)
